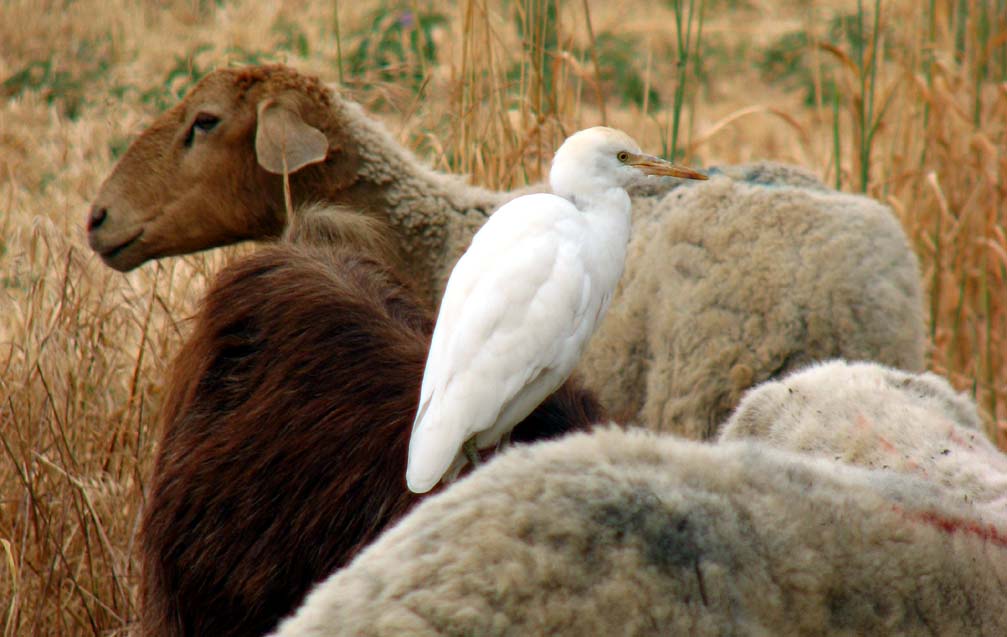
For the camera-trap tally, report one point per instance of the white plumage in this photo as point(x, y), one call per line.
point(524, 299)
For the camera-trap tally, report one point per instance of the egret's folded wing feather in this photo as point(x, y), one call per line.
point(497, 241)
point(501, 239)
point(512, 304)
point(481, 362)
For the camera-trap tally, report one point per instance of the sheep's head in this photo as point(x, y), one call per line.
point(208, 172)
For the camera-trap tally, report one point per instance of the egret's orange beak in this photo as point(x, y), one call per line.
point(650, 165)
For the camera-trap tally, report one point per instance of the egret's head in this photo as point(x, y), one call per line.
point(600, 158)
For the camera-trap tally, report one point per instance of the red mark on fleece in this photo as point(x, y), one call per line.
point(958, 440)
point(990, 457)
point(862, 423)
point(949, 525)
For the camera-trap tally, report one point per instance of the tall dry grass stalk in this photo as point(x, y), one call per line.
point(918, 119)
point(926, 117)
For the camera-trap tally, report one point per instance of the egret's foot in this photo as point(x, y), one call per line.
point(471, 452)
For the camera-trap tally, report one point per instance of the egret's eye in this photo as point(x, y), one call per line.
point(623, 156)
point(204, 123)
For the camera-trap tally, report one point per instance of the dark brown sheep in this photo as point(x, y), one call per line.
point(285, 429)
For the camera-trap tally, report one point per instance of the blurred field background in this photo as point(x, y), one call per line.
point(903, 99)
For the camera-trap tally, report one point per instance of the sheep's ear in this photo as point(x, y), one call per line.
point(283, 139)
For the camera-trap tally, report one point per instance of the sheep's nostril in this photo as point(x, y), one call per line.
point(96, 217)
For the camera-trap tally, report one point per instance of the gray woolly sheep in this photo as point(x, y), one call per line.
point(872, 416)
point(631, 533)
point(727, 283)
point(732, 282)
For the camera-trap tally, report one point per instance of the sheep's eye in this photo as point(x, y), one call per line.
point(203, 123)
point(623, 156)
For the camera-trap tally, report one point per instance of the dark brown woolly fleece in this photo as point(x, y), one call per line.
point(284, 436)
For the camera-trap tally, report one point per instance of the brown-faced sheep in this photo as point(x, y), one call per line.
point(629, 533)
point(285, 429)
point(727, 283)
point(872, 416)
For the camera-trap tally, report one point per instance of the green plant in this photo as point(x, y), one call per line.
point(618, 59)
point(291, 37)
point(688, 25)
point(179, 79)
point(867, 72)
point(398, 46)
point(60, 87)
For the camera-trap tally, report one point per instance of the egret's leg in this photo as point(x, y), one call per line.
point(471, 452)
point(503, 443)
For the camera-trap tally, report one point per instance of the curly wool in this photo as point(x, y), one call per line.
point(872, 416)
point(631, 533)
point(744, 278)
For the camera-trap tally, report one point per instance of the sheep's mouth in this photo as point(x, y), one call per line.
point(110, 254)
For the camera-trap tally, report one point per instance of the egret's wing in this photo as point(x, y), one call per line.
point(501, 240)
point(512, 306)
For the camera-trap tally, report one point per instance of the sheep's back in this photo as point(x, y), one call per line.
point(734, 281)
point(284, 439)
point(290, 393)
point(633, 534)
point(872, 416)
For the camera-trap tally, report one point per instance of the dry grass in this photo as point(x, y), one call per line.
point(919, 121)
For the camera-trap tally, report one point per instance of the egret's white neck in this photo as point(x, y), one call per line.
point(608, 213)
point(600, 196)
point(607, 216)
point(589, 187)
point(609, 202)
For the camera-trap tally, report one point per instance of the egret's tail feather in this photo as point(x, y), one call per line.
point(432, 451)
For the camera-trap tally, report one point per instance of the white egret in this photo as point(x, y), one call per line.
point(523, 301)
